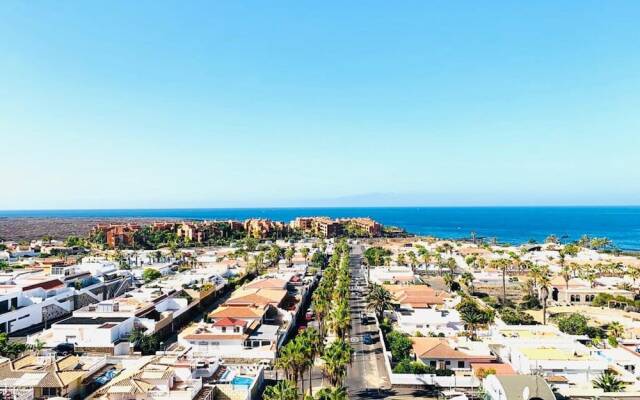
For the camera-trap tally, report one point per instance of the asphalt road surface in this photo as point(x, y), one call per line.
point(367, 376)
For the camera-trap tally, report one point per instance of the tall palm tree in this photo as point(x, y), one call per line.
point(413, 260)
point(258, 263)
point(502, 264)
point(305, 253)
point(544, 295)
point(283, 390)
point(273, 255)
point(320, 307)
point(286, 361)
point(340, 319)
point(467, 279)
point(472, 318)
point(288, 254)
point(313, 342)
point(449, 280)
point(379, 299)
point(336, 357)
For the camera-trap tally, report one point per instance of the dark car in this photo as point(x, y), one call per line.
point(63, 349)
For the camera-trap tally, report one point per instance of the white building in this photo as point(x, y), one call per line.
point(428, 321)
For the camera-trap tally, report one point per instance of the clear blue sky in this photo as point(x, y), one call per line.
point(204, 104)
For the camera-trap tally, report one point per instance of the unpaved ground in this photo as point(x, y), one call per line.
point(58, 228)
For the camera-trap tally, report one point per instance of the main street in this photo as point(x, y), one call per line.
point(367, 376)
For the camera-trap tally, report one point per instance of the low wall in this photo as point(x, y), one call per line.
point(423, 379)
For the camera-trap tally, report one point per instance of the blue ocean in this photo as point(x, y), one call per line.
point(506, 224)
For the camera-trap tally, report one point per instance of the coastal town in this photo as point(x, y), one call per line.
point(314, 308)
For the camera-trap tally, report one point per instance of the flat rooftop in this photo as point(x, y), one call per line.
point(91, 321)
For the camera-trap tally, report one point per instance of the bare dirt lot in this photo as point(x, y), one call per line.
point(58, 228)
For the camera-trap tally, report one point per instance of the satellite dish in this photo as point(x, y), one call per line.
point(525, 393)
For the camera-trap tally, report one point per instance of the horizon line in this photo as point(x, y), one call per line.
point(325, 207)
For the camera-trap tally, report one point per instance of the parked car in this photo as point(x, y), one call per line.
point(64, 349)
point(367, 339)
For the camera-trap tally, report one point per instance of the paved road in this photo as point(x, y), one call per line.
point(367, 376)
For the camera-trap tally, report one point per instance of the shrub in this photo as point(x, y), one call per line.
point(530, 302)
point(400, 345)
point(407, 366)
point(573, 324)
point(516, 317)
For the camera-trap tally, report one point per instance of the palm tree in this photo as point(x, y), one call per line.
point(609, 382)
point(615, 329)
point(340, 319)
point(413, 260)
point(426, 257)
point(336, 357)
point(449, 280)
point(285, 362)
point(502, 264)
point(320, 307)
point(634, 274)
point(273, 255)
point(37, 346)
point(566, 272)
point(258, 263)
point(467, 279)
point(401, 259)
point(544, 295)
point(472, 318)
point(312, 341)
point(283, 390)
point(379, 299)
point(338, 393)
point(305, 253)
point(288, 254)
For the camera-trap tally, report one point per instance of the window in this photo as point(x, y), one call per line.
point(236, 329)
point(46, 391)
point(224, 329)
point(447, 363)
point(460, 364)
point(575, 297)
point(432, 364)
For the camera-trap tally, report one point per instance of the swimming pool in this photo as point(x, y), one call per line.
point(242, 381)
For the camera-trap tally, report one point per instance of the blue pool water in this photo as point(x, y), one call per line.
point(242, 381)
point(507, 224)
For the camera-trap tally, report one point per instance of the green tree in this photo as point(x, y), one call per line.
point(288, 254)
point(339, 393)
point(615, 329)
point(340, 319)
point(336, 357)
point(304, 252)
point(10, 349)
point(283, 390)
point(400, 345)
point(573, 324)
point(609, 382)
point(150, 274)
point(502, 264)
point(379, 299)
point(467, 279)
point(146, 344)
point(473, 315)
